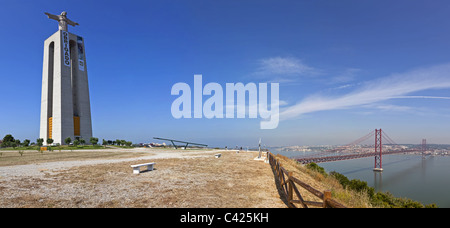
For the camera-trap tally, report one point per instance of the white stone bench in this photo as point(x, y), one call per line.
point(218, 155)
point(137, 168)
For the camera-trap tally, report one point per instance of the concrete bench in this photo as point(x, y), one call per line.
point(137, 168)
point(218, 155)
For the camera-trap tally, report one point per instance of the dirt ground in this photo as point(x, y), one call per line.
point(233, 180)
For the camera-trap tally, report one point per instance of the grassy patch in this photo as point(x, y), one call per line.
point(65, 147)
point(30, 157)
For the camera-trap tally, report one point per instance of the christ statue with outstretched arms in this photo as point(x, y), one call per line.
point(62, 19)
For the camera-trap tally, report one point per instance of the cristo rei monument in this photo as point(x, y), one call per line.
point(65, 105)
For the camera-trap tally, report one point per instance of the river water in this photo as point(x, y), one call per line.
point(424, 180)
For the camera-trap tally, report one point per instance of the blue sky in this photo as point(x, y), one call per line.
point(344, 67)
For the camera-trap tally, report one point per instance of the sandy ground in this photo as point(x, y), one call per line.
point(187, 179)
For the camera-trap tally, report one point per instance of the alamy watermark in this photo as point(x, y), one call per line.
point(213, 107)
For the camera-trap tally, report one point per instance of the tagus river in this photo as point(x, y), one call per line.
point(424, 180)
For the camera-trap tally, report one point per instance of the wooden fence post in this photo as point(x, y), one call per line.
point(288, 187)
point(326, 196)
point(278, 170)
point(290, 190)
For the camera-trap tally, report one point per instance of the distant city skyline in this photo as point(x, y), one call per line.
point(344, 68)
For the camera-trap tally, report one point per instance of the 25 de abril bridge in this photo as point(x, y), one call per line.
point(383, 145)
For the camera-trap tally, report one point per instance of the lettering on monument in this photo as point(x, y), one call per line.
point(66, 48)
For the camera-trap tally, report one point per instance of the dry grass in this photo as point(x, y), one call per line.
point(320, 182)
point(33, 157)
point(234, 180)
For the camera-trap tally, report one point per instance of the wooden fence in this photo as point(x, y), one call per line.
point(289, 183)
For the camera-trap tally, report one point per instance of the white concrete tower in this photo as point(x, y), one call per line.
point(65, 105)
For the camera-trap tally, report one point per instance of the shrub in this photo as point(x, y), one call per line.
point(343, 180)
point(68, 140)
point(313, 166)
point(361, 186)
point(379, 199)
point(382, 199)
point(94, 141)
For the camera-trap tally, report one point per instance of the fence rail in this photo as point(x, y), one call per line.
point(289, 187)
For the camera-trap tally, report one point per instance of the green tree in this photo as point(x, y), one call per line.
point(26, 142)
point(118, 141)
point(49, 141)
point(94, 141)
point(128, 143)
point(17, 141)
point(68, 140)
point(82, 141)
point(76, 142)
point(40, 141)
point(7, 140)
point(104, 143)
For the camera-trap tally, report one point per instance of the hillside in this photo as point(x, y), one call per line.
point(351, 193)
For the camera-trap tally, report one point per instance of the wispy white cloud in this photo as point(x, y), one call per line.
point(347, 75)
point(390, 108)
point(345, 86)
point(420, 97)
point(284, 69)
point(394, 86)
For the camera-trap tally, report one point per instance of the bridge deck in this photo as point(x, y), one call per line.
point(347, 156)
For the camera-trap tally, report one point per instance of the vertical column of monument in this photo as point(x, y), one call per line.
point(62, 93)
point(80, 89)
point(56, 100)
point(47, 87)
point(85, 104)
point(74, 80)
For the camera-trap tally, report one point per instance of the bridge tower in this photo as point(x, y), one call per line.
point(424, 147)
point(378, 151)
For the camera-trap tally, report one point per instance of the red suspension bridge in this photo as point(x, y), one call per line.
point(338, 154)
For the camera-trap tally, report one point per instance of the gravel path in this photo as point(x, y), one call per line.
point(182, 178)
point(34, 170)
